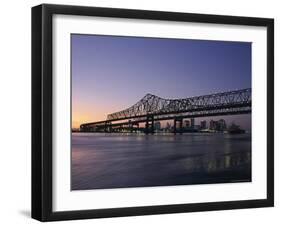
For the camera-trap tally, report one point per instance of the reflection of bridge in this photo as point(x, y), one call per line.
point(152, 108)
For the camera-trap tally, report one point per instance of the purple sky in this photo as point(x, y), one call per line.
point(110, 73)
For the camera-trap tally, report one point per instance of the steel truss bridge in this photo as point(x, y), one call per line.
point(152, 108)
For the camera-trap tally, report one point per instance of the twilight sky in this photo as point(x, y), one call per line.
point(111, 73)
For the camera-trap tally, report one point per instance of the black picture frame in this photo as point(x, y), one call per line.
point(42, 111)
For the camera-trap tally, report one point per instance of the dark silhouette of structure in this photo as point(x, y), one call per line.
point(152, 108)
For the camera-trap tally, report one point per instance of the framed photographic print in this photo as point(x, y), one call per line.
point(145, 112)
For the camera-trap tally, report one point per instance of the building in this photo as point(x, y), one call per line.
point(203, 124)
point(168, 127)
point(186, 123)
point(219, 125)
point(212, 125)
point(192, 123)
point(157, 126)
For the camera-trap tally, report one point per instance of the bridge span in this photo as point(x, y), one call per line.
point(152, 108)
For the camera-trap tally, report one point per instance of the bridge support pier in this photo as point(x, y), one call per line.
point(107, 127)
point(120, 128)
point(135, 126)
point(130, 126)
point(149, 124)
point(179, 130)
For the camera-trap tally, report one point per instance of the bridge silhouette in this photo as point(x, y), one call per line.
point(152, 108)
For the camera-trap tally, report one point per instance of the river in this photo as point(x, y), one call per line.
point(108, 160)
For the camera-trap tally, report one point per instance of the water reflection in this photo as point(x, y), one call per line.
point(116, 160)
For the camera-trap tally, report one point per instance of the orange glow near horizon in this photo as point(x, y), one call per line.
point(83, 113)
point(81, 117)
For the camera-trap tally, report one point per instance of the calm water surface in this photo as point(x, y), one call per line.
point(129, 160)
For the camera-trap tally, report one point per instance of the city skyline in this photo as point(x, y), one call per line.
point(111, 73)
point(197, 123)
